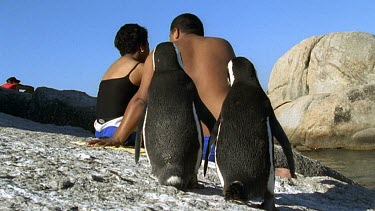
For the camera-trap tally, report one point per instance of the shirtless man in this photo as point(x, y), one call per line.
point(205, 60)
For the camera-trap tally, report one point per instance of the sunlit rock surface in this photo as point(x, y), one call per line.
point(42, 169)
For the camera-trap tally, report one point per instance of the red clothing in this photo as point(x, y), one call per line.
point(10, 86)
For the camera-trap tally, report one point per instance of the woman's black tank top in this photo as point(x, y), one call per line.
point(113, 97)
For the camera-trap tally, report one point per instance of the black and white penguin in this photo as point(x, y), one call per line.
point(170, 127)
point(244, 138)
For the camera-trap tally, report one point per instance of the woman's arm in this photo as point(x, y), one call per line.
point(133, 111)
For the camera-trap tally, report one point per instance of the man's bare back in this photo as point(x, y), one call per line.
point(205, 60)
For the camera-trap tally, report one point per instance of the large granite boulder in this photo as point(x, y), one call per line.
point(323, 91)
point(14, 103)
point(67, 107)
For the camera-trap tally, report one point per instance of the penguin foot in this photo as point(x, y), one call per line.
point(193, 183)
point(236, 191)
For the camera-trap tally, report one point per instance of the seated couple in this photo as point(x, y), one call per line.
point(124, 86)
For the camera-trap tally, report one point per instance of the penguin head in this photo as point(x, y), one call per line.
point(241, 69)
point(167, 57)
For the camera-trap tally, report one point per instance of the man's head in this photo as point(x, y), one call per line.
point(186, 23)
point(131, 38)
point(13, 80)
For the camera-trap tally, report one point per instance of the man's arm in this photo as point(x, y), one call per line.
point(133, 111)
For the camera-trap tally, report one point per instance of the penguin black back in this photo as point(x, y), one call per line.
point(170, 128)
point(243, 147)
point(243, 136)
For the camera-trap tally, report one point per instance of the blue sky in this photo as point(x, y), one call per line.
point(68, 44)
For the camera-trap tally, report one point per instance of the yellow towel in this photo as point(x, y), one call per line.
point(125, 148)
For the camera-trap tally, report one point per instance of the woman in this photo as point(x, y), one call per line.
point(121, 81)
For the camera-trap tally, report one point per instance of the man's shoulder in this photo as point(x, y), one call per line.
point(218, 41)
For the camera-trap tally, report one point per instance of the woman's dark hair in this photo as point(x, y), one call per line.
point(130, 37)
point(188, 23)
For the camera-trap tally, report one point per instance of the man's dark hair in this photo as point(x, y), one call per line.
point(130, 37)
point(188, 23)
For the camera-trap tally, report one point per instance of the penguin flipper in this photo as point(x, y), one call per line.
point(139, 135)
point(282, 138)
point(212, 140)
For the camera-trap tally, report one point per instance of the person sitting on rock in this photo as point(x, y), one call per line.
point(14, 84)
point(121, 81)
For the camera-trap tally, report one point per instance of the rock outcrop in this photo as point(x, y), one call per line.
point(14, 103)
point(323, 91)
point(67, 107)
point(307, 166)
point(51, 106)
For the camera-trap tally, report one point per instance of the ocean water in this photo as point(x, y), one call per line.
point(356, 165)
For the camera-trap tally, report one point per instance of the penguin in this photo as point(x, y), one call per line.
point(169, 127)
point(244, 138)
